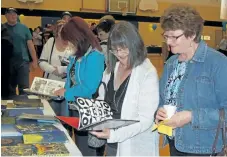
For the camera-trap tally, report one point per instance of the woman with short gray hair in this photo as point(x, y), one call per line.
point(132, 93)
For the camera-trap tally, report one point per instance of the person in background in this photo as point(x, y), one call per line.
point(132, 93)
point(23, 47)
point(37, 40)
point(107, 17)
point(222, 47)
point(193, 80)
point(47, 34)
point(103, 30)
point(6, 54)
point(93, 25)
point(52, 62)
point(84, 72)
point(66, 16)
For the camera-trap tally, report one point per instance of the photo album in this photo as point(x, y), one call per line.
point(44, 87)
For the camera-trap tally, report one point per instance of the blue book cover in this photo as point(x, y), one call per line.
point(18, 112)
point(36, 128)
point(9, 130)
point(26, 122)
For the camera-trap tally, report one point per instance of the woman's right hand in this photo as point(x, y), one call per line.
point(161, 115)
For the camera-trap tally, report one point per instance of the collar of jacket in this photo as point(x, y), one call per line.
point(200, 52)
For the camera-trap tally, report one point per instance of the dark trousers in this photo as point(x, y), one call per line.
point(175, 152)
point(81, 139)
point(223, 51)
point(19, 76)
point(39, 49)
point(58, 106)
point(110, 151)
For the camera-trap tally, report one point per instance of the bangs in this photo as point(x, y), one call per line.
point(118, 40)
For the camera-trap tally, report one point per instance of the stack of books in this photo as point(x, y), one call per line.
point(29, 137)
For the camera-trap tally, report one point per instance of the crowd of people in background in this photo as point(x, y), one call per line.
point(193, 80)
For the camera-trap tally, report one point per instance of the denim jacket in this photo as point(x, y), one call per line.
point(203, 92)
point(88, 75)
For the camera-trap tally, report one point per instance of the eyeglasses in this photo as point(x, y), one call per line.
point(172, 38)
point(115, 51)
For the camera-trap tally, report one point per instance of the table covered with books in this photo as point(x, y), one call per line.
point(29, 137)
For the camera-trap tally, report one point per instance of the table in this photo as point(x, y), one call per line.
point(70, 144)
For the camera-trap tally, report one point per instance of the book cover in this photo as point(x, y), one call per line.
point(11, 140)
point(94, 115)
point(26, 122)
point(37, 117)
point(49, 149)
point(44, 87)
point(35, 128)
point(18, 112)
point(22, 150)
point(8, 120)
point(54, 149)
point(45, 137)
point(21, 104)
point(26, 99)
point(9, 130)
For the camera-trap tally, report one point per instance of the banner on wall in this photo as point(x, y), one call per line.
point(223, 12)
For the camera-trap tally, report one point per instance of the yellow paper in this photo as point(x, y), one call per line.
point(163, 129)
point(32, 138)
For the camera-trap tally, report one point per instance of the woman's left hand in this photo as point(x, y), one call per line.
point(105, 134)
point(179, 119)
point(60, 92)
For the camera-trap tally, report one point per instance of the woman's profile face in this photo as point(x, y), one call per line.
point(102, 35)
point(177, 41)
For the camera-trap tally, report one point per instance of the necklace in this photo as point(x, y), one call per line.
point(114, 99)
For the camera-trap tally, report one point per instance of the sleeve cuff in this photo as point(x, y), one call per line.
point(112, 135)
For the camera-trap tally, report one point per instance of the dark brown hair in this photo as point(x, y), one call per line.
point(183, 17)
point(77, 32)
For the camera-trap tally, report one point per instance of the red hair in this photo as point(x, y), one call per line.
point(79, 34)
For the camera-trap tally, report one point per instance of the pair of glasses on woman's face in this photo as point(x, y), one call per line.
point(119, 51)
point(172, 38)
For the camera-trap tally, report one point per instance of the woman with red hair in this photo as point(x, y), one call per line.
point(84, 72)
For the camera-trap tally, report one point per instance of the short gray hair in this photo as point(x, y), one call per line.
point(125, 35)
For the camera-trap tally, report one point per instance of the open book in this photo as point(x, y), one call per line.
point(95, 115)
point(45, 87)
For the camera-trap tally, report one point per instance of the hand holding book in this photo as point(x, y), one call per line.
point(60, 92)
point(104, 134)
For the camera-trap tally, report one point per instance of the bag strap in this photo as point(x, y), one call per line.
point(51, 52)
point(105, 88)
point(221, 122)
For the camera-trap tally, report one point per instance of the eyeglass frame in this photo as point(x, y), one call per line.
point(115, 51)
point(173, 38)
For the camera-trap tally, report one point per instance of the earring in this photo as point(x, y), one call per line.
point(191, 44)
